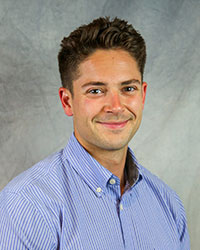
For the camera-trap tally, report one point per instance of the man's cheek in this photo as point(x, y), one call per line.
point(91, 107)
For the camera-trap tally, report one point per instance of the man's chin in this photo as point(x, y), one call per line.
point(112, 144)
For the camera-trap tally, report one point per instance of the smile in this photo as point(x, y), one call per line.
point(114, 125)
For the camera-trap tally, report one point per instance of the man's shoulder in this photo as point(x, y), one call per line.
point(164, 194)
point(151, 180)
point(35, 174)
point(158, 186)
point(27, 202)
point(164, 199)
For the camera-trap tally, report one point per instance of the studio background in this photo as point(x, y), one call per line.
point(32, 122)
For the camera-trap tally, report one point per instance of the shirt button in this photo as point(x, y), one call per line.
point(121, 207)
point(112, 181)
point(98, 190)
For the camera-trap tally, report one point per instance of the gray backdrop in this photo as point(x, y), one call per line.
point(32, 123)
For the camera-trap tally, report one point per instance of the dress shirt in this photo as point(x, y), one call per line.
point(70, 201)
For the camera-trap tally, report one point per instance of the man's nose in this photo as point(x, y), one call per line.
point(114, 103)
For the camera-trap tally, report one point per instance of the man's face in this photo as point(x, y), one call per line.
point(108, 100)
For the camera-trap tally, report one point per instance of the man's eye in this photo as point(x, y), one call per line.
point(129, 89)
point(95, 91)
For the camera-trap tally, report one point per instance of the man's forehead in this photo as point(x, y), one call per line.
point(103, 64)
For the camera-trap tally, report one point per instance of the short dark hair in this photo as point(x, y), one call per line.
point(101, 33)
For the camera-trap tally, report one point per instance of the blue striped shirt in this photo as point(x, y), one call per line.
point(70, 201)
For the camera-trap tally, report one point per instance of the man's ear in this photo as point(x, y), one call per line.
point(144, 91)
point(66, 100)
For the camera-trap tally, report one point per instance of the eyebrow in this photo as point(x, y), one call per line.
point(94, 83)
point(130, 82)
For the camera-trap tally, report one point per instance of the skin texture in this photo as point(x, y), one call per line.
point(107, 106)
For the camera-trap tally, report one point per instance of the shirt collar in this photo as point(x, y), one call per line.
point(131, 170)
point(91, 171)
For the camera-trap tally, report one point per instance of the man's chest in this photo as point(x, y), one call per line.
point(109, 224)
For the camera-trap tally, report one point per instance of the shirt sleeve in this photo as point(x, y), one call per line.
point(21, 225)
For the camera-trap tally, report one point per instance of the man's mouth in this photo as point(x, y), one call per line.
point(114, 125)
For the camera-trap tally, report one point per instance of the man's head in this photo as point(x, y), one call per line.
point(105, 66)
point(102, 33)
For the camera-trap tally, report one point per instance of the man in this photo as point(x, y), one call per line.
point(94, 194)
